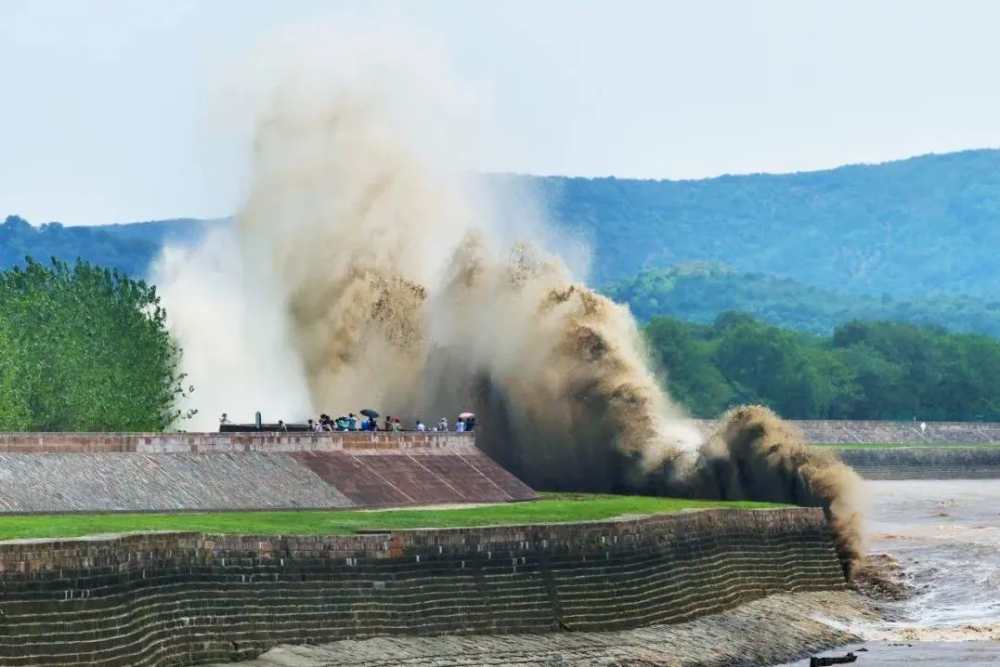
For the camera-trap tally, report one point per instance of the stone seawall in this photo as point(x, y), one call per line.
point(834, 431)
point(954, 462)
point(114, 472)
point(180, 599)
point(941, 450)
point(216, 443)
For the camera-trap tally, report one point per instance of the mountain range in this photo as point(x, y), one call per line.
point(913, 240)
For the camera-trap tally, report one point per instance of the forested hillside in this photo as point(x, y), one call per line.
point(865, 370)
point(912, 241)
point(130, 248)
point(927, 224)
point(700, 291)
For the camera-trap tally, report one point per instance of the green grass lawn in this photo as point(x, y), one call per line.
point(552, 508)
point(905, 445)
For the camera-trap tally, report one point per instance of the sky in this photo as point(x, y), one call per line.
point(110, 109)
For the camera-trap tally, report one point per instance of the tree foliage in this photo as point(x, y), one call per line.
point(701, 291)
point(130, 248)
point(864, 370)
point(84, 348)
point(906, 228)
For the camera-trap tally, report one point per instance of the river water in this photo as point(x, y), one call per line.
point(946, 537)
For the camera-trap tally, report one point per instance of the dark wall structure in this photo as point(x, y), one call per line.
point(182, 599)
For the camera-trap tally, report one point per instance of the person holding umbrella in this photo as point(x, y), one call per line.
point(468, 420)
point(372, 416)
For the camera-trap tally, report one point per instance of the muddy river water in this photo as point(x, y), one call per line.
point(946, 537)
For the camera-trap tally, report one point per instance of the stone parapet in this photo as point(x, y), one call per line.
point(209, 443)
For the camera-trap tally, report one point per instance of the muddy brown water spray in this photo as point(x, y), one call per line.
point(395, 287)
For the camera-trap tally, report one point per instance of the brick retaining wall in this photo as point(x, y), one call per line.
point(183, 598)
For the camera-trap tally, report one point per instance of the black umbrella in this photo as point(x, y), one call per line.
point(371, 414)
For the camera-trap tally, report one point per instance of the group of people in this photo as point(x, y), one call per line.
point(366, 421)
point(465, 423)
point(353, 422)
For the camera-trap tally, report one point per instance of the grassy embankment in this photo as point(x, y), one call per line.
point(552, 508)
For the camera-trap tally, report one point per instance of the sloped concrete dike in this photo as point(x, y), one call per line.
point(181, 598)
point(57, 472)
point(955, 462)
point(843, 432)
point(939, 450)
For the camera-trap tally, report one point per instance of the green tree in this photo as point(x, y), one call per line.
point(692, 377)
point(14, 411)
point(865, 370)
point(88, 350)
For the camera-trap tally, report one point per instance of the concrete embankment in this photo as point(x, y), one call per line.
point(109, 472)
point(907, 449)
point(954, 462)
point(178, 599)
point(846, 432)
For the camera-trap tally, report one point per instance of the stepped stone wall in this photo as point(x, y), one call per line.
point(76, 472)
point(182, 598)
point(774, 630)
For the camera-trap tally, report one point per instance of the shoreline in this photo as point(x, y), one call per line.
point(775, 629)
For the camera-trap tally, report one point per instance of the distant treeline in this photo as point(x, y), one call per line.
point(84, 349)
point(130, 248)
point(701, 291)
point(864, 370)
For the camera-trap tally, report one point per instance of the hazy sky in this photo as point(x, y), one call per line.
point(107, 107)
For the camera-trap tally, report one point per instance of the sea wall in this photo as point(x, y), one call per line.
point(75, 472)
point(955, 462)
point(180, 598)
point(939, 450)
point(834, 431)
point(215, 443)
